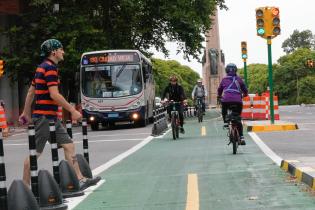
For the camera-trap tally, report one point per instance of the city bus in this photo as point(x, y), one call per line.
point(117, 87)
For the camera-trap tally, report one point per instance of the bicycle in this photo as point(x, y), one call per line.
point(199, 111)
point(233, 119)
point(175, 123)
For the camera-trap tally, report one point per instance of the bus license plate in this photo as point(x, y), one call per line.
point(113, 115)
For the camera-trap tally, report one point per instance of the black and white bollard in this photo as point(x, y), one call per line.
point(69, 128)
point(3, 189)
point(33, 161)
point(85, 140)
point(54, 151)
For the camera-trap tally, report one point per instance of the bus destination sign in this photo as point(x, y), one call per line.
point(113, 57)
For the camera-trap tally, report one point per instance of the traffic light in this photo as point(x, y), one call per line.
point(244, 50)
point(268, 22)
point(260, 22)
point(1, 67)
point(275, 24)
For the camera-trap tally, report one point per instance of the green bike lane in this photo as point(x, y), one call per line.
point(197, 171)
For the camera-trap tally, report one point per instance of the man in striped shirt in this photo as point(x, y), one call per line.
point(47, 98)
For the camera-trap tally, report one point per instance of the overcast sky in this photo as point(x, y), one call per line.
point(239, 24)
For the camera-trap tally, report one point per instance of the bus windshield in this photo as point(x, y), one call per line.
point(107, 81)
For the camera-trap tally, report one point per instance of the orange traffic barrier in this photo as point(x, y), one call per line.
point(247, 111)
point(59, 113)
point(258, 107)
point(275, 108)
point(3, 122)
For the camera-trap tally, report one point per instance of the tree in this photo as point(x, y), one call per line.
point(303, 39)
point(164, 69)
point(289, 73)
point(257, 77)
point(97, 24)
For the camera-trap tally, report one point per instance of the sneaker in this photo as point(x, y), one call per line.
point(95, 180)
point(243, 141)
point(181, 130)
point(86, 182)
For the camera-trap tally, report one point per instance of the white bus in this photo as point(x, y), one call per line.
point(117, 87)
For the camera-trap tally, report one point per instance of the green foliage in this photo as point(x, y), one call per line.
point(307, 87)
point(289, 73)
point(97, 24)
point(164, 69)
point(303, 39)
point(257, 75)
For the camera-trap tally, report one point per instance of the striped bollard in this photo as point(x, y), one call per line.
point(69, 128)
point(33, 160)
point(85, 140)
point(3, 189)
point(54, 151)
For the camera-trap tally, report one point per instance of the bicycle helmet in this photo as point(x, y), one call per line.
point(173, 78)
point(199, 81)
point(231, 68)
point(48, 46)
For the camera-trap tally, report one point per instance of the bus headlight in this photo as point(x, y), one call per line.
point(92, 118)
point(135, 116)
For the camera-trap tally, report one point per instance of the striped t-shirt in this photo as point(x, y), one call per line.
point(46, 76)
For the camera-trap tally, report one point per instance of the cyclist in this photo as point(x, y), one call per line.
point(232, 89)
point(176, 93)
point(199, 91)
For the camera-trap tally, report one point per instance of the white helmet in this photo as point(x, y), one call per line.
point(199, 81)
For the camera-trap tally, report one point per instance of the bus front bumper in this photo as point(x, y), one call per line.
point(134, 115)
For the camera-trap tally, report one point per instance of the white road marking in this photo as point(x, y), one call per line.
point(273, 156)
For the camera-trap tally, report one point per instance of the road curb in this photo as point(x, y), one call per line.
point(300, 171)
point(275, 127)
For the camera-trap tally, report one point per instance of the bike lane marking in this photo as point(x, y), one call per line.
point(192, 202)
point(203, 131)
point(273, 156)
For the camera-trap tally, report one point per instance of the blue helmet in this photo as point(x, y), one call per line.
point(231, 68)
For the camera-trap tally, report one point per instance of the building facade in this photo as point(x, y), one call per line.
point(213, 63)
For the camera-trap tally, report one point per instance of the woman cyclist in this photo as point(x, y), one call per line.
point(230, 91)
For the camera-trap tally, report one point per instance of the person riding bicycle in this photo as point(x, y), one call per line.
point(230, 91)
point(199, 91)
point(175, 92)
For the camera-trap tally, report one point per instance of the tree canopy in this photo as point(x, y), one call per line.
point(97, 24)
point(164, 69)
point(303, 39)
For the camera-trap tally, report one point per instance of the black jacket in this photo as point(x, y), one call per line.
point(175, 93)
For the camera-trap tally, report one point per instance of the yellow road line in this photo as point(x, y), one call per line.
point(192, 202)
point(203, 131)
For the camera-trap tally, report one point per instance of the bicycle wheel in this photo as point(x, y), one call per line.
point(173, 125)
point(235, 139)
point(177, 128)
point(200, 114)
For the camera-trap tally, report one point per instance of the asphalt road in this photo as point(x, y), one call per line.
point(104, 145)
point(298, 144)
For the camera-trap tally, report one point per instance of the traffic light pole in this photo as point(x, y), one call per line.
point(245, 73)
point(272, 117)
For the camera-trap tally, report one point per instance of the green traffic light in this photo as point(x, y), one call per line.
point(261, 31)
point(244, 56)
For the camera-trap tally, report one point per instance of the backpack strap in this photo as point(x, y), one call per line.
point(230, 89)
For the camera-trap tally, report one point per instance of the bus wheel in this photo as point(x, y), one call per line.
point(94, 126)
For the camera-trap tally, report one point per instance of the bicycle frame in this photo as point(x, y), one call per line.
point(174, 119)
point(233, 133)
